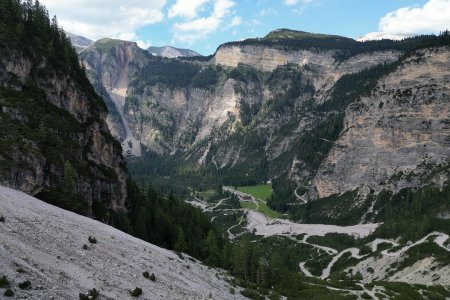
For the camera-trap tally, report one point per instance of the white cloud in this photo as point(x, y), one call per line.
point(186, 8)
point(105, 18)
point(236, 21)
point(299, 6)
point(144, 44)
point(295, 2)
point(433, 17)
point(199, 28)
point(267, 11)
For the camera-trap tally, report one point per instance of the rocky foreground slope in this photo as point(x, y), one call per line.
point(44, 245)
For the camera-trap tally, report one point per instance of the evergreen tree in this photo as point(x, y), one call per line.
point(69, 178)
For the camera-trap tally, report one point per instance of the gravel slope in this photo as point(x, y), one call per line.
point(46, 242)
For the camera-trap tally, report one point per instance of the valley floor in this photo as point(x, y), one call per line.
point(380, 260)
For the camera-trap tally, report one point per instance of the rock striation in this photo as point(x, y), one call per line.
point(397, 135)
point(70, 115)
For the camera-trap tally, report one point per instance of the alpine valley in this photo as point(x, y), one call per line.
point(293, 166)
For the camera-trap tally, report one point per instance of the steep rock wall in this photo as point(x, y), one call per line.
point(402, 129)
point(99, 168)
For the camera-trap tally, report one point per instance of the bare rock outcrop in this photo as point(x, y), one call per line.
point(402, 129)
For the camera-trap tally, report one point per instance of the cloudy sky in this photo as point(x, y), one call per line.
point(202, 25)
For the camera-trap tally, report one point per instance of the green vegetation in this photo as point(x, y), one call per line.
point(25, 285)
point(168, 222)
point(149, 276)
point(4, 282)
point(91, 295)
point(281, 34)
point(37, 134)
point(345, 212)
point(286, 39)
point(136, 292)
point(262, 207)
point(107, 43)
point(8, 293)
point(169, 72)
point(334, 240)
point(262, 191)
point(206, 78)
point(92, 240)
point(412, 214)
point(249, 205)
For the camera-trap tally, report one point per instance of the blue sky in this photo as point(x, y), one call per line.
point(202, 25)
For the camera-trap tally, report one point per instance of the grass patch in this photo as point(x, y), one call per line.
point(248, 205)
point(107, 43)
point(268, 211)
point(262, 191)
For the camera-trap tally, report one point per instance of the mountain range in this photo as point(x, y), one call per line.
point(331, 120)
point(296, 165)
point(171, 52)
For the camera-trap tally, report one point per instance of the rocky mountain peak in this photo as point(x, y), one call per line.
point(79, 42)
point(171, 52)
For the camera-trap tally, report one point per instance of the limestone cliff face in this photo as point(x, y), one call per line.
point(166, 120)
point(65, 113)
point(265, 101)
point(110, 65)
point(395, 137)
point(327, 70)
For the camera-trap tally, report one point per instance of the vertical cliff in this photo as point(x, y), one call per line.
point(54, 139)
point(110, 65)
point(398, 135)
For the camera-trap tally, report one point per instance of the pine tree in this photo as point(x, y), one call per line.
point(212, 246)
point(69, 178)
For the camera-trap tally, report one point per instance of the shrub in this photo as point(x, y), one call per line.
point(252, 294)
point(136, 292)
point(146, 274)
point(85, 247)
point(152, 277)
point(92, 294)
point(4, 282)
point(25, 285)
point(83, 297)
point(92, 240)
point(20, 270)
point(8, 293)
point(2, 219)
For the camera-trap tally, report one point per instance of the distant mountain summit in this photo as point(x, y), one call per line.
point(79, 42)
point(172, 52)
point(289, 34)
